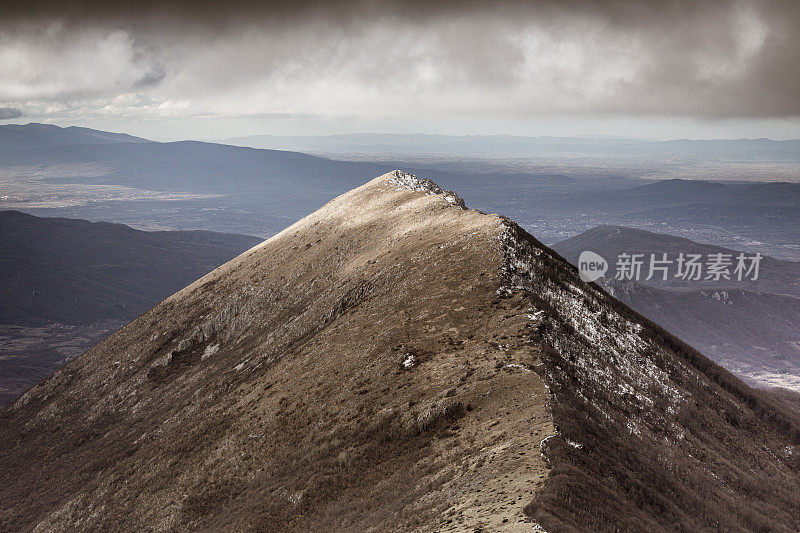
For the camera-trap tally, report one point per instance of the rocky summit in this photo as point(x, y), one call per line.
point(396, 362)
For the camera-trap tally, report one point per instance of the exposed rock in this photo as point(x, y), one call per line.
point(428, 186)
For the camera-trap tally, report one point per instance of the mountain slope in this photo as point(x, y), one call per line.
point(68, 283)
point(653, 435)
point(392, 362)
point(319, 382)
point(750, 327)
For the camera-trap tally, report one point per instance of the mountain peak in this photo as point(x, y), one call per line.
point(391, 362)
point(428, 186)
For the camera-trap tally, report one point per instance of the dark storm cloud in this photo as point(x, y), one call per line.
point(683, 58)
point(8, 113)
point(151, 79)
point(214, 13)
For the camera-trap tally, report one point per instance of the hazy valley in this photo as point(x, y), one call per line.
point(190, 185)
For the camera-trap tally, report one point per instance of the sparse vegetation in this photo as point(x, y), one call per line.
point(717, 459)
point(530, 397)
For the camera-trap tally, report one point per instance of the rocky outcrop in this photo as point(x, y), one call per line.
point(411, 182)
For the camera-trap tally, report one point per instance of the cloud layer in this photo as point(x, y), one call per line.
point(720, 59)
point(8, 113)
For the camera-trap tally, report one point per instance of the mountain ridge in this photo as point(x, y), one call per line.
point(31, 135)
point(395, 361)
point(513, 144)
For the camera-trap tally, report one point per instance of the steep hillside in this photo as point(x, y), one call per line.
point(69, 283)
point(395, 361)
point(654, 436)
point(750, 327)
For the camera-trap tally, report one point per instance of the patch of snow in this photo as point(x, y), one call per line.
point(543, 444)
point(604, 350)
point(239, 367)
point(210, 350)
point(574, 444)
point(295, 497)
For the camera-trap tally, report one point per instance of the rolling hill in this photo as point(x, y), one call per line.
point(775, 275)
point(15, 138)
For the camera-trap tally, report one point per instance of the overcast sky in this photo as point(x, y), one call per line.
point(213, 69)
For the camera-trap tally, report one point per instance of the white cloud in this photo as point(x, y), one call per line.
point(55, 64)
point(498, 66)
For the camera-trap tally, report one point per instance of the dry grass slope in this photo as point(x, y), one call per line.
point(394, 362)
point(355, 372)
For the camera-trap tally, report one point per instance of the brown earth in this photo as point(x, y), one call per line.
point(305, 418)
point(392, 363)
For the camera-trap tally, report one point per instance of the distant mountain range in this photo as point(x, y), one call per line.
point(417, 143)
point(189, 185)
point(67, 282)
point(750, 327)
point(179, 185)
point(679, 192)
point(14, 138)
